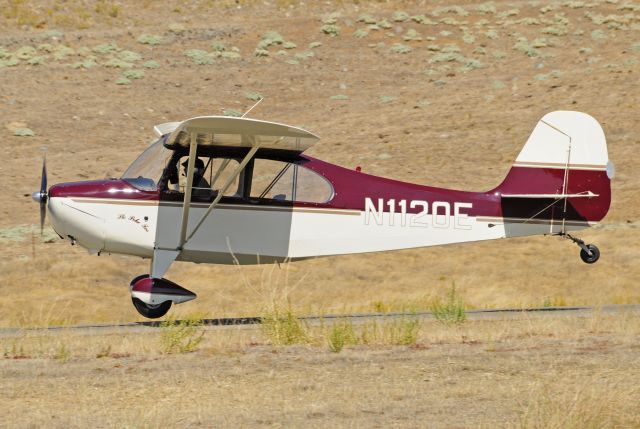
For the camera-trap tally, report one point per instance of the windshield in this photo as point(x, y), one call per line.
point(145, 172)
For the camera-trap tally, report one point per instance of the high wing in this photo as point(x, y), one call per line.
point(230, 132)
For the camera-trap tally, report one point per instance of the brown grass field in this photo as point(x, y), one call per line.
point(454, 111)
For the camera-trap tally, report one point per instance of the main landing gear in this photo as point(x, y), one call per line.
point(589, 253)
point(153, 297)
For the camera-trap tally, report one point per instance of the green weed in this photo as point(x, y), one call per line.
point(63, 354)
point(341, 333)
point(451, 311)
point(283, 327)
point(183, 336)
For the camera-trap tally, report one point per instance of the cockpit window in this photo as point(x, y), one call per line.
point(210, 176)
point(145, 172)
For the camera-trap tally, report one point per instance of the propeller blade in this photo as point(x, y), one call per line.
point(43, 195)
point(43, 182)
point(43, 214)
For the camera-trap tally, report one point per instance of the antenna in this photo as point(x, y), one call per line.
point(251, 108)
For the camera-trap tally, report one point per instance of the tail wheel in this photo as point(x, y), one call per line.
point(592, 255)
point(151, 311)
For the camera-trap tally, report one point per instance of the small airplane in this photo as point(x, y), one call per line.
point(254, 198)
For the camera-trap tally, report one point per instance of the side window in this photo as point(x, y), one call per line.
point(284, 181)
point(272, 180)
point(312, 187)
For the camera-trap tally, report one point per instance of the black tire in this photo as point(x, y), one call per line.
point(590, 258)
point(151, 311)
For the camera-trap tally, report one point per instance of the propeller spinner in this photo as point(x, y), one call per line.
point(41, 196)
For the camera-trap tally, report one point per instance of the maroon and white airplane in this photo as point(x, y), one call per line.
point(256, 198)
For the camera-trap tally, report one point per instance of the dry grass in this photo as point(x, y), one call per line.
point(536, 372)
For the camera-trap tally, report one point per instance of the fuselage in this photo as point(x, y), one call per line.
point(366, 213)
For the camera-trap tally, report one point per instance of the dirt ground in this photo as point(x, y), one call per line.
point(452, 109)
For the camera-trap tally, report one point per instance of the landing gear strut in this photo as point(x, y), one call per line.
point(589, 253)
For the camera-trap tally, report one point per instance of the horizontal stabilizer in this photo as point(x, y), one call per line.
point(587, 194)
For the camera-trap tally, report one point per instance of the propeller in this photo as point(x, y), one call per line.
point(41, 196)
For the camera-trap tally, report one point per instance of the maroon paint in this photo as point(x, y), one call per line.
point(352, 187)
point(144, 283)
point(113, 188)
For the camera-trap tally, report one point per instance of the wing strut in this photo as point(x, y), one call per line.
point(221, 192)
point(187, 192)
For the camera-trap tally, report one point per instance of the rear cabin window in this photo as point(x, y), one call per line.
point(283, 181)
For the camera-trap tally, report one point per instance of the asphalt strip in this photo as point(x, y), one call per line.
point(249, 322)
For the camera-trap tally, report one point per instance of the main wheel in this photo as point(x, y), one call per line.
point(590, 258)
point(151, 311)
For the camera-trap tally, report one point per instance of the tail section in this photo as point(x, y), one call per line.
point(562, 175)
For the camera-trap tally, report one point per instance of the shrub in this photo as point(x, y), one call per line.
point(486, 8)
point(182, 336)
point(129, 56)
point(116, 63)
point(254, 96)
point(61, 52)
point(330, 29)
point(133, 74)
point(231, 112)
point(399, 48)
point(106, 48)
point(25, 52)
point(360, 33)
point(151, 65)
point(458, 10)
point(199, 56)
point(23, 132)
point(412, 35)
point(400, 16)
point(150, 39)
point(367, 19)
